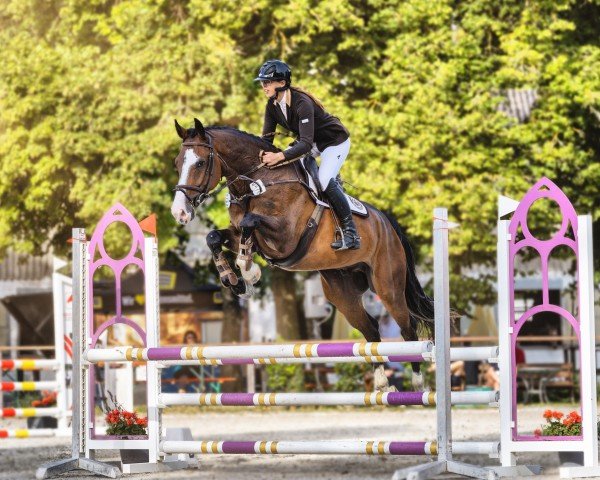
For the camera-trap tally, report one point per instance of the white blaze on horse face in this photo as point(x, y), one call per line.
point(181, 209)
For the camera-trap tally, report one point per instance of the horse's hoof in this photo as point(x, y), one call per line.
point(252, 275)
point(417, 382)
point(248, 291)
point(386, 389)
point(380, 380)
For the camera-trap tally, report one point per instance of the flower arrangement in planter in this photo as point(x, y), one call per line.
point(557, 425)
point(127, 425)
point(48, 400)
point(123, 423)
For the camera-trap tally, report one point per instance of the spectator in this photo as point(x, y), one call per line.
point(183, 373)
point(458, 376)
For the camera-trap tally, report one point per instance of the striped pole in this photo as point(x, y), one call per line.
point(458, 353)
point(298, 350)
point(425, 357)
point(299, 447)
point(27, 386)
point(29, 412)
point(325, 447)
point(28, 364)
point(297, 399)
point(28, 433)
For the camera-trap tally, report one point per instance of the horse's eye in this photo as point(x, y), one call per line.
point(200, 163)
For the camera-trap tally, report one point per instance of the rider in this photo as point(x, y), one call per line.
point(318, 133)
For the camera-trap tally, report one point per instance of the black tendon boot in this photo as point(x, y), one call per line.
point(339, 203)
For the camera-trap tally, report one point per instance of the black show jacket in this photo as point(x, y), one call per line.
point(306, 119)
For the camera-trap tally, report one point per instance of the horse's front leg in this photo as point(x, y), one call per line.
point(250, 270)
point(216, 239)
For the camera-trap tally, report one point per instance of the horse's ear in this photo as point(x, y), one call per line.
point(182, 132)
point(199, 127)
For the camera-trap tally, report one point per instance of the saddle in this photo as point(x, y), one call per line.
point(310, 170)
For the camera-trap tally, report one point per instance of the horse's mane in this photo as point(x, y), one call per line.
point(258, 141)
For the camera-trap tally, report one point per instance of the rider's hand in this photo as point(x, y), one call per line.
point(272, 158)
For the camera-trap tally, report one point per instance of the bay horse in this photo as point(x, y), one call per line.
point(273, 214)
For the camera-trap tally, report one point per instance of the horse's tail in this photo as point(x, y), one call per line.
point(419, 304)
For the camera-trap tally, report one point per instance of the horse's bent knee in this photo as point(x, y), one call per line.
point(214, 240)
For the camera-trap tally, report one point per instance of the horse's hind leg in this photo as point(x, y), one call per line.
point(344, 289)
point(389, 280)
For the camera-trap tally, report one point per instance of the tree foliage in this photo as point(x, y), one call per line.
point(89, 90)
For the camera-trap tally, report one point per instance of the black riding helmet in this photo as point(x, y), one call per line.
point(275, 70)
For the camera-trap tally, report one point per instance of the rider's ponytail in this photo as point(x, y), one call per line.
point(313, 98)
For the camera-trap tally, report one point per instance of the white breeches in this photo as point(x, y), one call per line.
point(332, 159)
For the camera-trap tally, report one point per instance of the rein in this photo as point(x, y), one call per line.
point(202, 190)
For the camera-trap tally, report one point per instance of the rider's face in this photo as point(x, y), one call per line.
point(269, 87)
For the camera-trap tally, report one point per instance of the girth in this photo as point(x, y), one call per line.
point(303, 244)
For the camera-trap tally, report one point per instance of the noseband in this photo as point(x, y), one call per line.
point(202, 193)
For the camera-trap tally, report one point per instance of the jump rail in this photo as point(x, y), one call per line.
point(340, 447)
point(30, 412)
point(27, 386)
point(29, 364)
point(474, 354)
point(297, 350)
point(28, 433)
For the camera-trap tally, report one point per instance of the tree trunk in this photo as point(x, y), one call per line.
point(283, 284)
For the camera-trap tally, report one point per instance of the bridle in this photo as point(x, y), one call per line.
point(202, 193)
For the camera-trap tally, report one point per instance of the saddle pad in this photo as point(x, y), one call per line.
point(355, 205)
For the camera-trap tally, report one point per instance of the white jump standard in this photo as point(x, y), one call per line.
point(59, 384)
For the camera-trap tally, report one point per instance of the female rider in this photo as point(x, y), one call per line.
point(318, 132)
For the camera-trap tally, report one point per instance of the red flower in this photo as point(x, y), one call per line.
point(574, 416)
point(537, 432)
point(570, 425)
point(142, 422)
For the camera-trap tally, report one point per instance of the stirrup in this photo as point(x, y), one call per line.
point(340, 236)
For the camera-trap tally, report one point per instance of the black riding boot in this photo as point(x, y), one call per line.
point(339, 203)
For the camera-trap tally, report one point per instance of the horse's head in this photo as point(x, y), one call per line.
point(198, 168)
